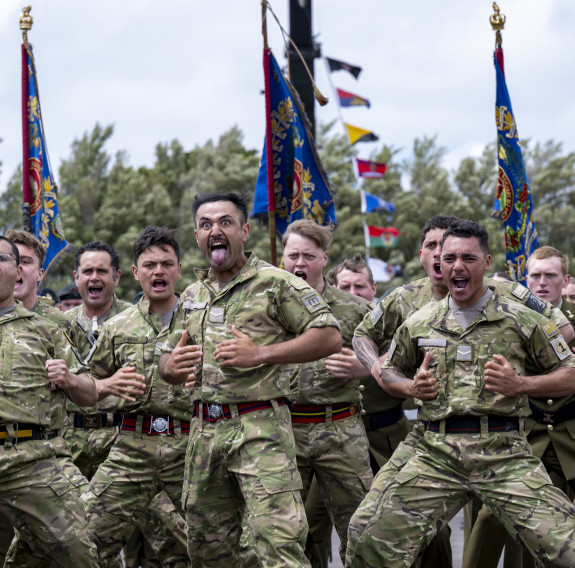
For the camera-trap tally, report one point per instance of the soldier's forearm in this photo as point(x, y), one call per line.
point(395, 383)
point(366, 351)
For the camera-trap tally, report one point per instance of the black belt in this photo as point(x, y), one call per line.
point(383, 419)
point(96, 421)
point(563, 414)
point(472, 424)
point(24, 432)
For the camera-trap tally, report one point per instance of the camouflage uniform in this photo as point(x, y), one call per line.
point(148, 455)
point(448, 467)
point(91, 433)
point(335, 449)
point(36, 494)
point(241, 456)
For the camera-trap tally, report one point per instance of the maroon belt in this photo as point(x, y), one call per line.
point(214, 412)
point(154, 425)
point(316, 413)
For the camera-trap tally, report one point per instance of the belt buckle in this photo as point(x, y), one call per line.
point(91, 421)
point(160, 424)
point(215, 411)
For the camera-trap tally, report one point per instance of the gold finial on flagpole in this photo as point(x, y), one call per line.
point(26, 22)
point(497, 23)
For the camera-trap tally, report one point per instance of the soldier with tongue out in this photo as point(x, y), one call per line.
point(251, 321)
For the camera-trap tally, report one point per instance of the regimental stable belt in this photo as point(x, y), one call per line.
point(155, 425)
point(213, 412)
point(16, 432)
point(466, 424)
point(317, 413)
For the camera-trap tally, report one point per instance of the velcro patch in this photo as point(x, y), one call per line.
point(298, 283)
point(463, 353)
point(391, 350)
point(549, 329)
point(190, 306)
point(216, 315)
point(520, 291)
point(535, 303)
point(422, 342)
point(313, 302)
point(560, 347)
point(376, 314)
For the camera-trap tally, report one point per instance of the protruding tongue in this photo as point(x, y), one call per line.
point(219, 254)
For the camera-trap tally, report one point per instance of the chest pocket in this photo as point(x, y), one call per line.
point(438, 367)
point(134, 351)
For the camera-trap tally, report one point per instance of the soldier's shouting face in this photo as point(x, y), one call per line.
point(221, 233)
point(10, 272)
point(95, 278)
point(463, 264)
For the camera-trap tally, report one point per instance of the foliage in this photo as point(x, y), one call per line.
point(103, 197)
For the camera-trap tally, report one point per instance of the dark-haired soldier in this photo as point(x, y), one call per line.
point(475, 357)
point(147, 458)
point(252, 321)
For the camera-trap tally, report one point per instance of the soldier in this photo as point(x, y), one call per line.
point(69, 297)
point(148, 456)
point(250, 321)
point(36, 495)
point(354, 275)
point(465, 353)
point(97, 273)
point(329, 434)
point(569, 292)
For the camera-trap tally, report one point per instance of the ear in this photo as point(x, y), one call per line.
point(118, 277)
point(325, 256)
point(566, 280)
point(487, 263)
point(245, 232)
point(135, 272)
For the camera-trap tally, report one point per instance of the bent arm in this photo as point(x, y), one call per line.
point(368, 353)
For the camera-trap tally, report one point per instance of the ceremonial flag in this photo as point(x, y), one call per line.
point(371, 203)
point(356, 134)
point(347, 99)
point(300, 186)
point(369, 169)
point(337, 65)
point(40, 194)
point(380, 236)
point(513, 201)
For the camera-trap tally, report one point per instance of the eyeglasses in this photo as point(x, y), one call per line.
point(6, 257)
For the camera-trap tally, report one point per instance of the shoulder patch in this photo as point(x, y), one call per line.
point(535, 303)
point(549, 329)
point(391, 349)
point(560, 347)
point(298, 283)
point(376, 314)
point(313, 302)
point(520, 291)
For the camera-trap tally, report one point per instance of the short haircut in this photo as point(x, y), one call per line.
point(467, 230)
point(437, 222)
point(542, 253)
point(15, 250)
point(27, 240)
point(238, 199)
point(357, 264)
point(97, 246)
point(319, 234)
point(156, 236)
point(331, 276)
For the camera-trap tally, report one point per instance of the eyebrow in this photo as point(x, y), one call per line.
point(226, 216)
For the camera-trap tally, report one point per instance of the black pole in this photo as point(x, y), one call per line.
point(301, 34)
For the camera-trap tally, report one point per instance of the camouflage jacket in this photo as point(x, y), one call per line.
point(313, 383)
point(27, 341)
point(134, 338)
point(529, 341)
point(268, 304)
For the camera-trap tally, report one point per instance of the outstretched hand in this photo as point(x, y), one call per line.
point(424, 383)
point(182, 363)
point(499, 376)
point(239, 352)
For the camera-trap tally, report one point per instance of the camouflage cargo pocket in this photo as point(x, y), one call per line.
point(279, 481)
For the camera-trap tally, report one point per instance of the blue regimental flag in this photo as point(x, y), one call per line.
point(40, 193)
point(513, 201)
point(300, 186)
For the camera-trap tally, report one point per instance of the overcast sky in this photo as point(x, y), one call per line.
point(191, 70)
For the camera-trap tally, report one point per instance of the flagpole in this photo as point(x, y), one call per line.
point(269, 141)
point(497, 24)
point(25, 25)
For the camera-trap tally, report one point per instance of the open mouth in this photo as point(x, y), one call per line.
point(460, 283)
point(95, 291)
point(159, 285)
point(437, 270)
point(218, 250)
point(300, 274)
point(18, 283)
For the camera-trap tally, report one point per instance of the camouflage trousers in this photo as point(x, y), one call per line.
point(140, 482)
point(90, 447)
point(445, 472)
point(40, 502)
point(244, 468)
point(337, 452)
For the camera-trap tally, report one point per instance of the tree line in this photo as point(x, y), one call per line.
point(102, 197)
